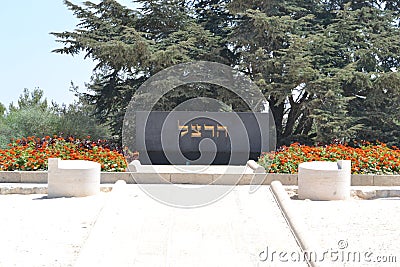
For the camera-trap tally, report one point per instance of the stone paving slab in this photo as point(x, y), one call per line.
point(29, 189)
point(36, 231)
point(136, 230)
point(350, 229)
point(131, 229)
point(363, 192)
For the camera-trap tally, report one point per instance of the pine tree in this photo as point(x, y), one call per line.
point(313, 59)
point(372, 44)
point(107, 34)
point(30, 99)
point(133, 45)
point(285, 50)
point(2, 110)
point(329, 69)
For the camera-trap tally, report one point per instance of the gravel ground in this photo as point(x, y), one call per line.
point(36, 231)
point(369, 228)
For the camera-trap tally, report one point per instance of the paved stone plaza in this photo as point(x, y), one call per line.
point(134, 230)
point(128, 228)
point(231, 232)
point(36, 231)
point(362, 226)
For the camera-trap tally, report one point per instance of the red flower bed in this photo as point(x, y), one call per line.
point(31, 154)
point(366, 158)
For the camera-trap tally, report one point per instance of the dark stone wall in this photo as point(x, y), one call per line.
point(201, 137)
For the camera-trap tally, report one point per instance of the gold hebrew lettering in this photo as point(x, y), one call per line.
point(210, 128)
point(222, 129)
point(183, 129)
point(196, 130)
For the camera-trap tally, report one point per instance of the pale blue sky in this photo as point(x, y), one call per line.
point(26, 60)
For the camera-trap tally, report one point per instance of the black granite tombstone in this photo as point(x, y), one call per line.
point(191, 137)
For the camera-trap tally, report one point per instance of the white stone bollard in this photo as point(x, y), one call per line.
point(255, 166)
point(73, 178)
point(323, 180)
point(134, 166)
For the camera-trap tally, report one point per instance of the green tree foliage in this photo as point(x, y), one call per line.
point(77, 120)
point(373, 46)
point(30, 99)
point(30, 117)
point(288, 54)
point(31, 121)
point(133, 45)
point(33, 117)
point(314, 62)
point(4, 129)
point(327, 68)
point(2, 110)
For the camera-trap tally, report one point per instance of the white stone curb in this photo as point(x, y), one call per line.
point(142, 177)
point(296, 224)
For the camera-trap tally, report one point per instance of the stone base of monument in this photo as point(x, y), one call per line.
point(73, 178)
point(322, 180)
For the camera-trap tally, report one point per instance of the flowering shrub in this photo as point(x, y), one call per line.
point(366, 158)
point(31, 154)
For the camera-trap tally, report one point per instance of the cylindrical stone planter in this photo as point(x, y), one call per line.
point(73, 178)
point(323, 180)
